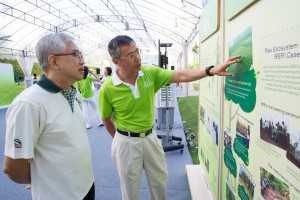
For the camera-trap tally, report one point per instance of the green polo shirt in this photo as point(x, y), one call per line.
point(85, 86)
point(133, 114)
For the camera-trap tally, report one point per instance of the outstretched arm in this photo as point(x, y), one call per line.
point(96, 77)
point(196, 74)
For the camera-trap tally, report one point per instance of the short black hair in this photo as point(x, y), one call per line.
point(85, 72)
point(109, 70)
point(115, 44)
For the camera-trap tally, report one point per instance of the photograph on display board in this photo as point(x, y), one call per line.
point(210, 124)
point(207, 164)
point(293, 148)
point(275, 129)
point(229, 157)
point(201, 153)
point(242, 140)
point(227, 139)
point(271, 187)
point(243, 131)
point(246, 184)
point(230, 194)
point(202, 114)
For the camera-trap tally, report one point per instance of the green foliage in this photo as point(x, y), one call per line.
point(196, 86)
point(36, 69)
point(195, 49)
point(188, 107)
point(242, 45)
point(193, 66)
point(9, 92)
point(18, 73)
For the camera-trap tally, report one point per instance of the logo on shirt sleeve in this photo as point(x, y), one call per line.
point(17, 143)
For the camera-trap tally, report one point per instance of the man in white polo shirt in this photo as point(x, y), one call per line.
point(46, 141)
point(129, 96)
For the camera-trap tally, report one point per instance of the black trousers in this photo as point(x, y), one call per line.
point(91, 194)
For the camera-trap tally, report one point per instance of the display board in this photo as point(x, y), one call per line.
point(279, 118)
point(210, 113)
point(239, 119)
point(7, 84)
point(209, 20)
point(234, 7)
point(259, 115)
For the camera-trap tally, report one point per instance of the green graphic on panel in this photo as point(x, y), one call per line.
point(241, 150)
point(242, 193)
point(230, 161)
point(241, 88)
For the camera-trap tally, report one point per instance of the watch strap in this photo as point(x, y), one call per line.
point(207, 69)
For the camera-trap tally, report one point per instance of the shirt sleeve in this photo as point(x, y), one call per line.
point(22, 130)
point(163, 77)
point(104, 104)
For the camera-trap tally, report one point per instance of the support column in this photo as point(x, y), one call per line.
point(185, 66)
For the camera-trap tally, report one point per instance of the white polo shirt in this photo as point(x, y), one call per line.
point(42, 127)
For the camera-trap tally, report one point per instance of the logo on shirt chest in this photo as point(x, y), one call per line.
point(148, 84)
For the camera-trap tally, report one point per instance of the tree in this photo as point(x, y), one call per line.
point(36, 69)
point(193, 66)
point(18, 72)
point(195, 49)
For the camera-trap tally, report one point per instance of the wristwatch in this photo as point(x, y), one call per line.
point(207, 69)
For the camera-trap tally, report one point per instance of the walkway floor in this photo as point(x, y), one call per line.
point(106, 177)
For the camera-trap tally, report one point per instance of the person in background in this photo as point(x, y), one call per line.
point(88, 99)
point(46, 141)
point(129, 96)
point(35, 79)
point(107, 73)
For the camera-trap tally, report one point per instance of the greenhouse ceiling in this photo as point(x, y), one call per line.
point(95, 22)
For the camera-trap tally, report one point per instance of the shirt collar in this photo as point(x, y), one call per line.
point(116, 79)
point(48, 85)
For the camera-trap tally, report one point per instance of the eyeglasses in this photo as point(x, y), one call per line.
point(77, 54)
point(133, 55)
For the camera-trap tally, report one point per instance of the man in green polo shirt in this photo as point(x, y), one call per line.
point(129, 97)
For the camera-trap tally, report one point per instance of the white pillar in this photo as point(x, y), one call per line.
point(185, 66)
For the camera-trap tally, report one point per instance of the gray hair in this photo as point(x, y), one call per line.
point(115, 44)
point(53, 43)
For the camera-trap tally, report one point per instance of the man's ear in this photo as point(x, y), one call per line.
point(115, 61)
point(53, 62)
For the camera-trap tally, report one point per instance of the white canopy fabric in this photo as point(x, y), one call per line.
point(26, 63)
point(95, 22)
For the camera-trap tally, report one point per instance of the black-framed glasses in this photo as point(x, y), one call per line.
point(77, 54)
point(133, 55)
